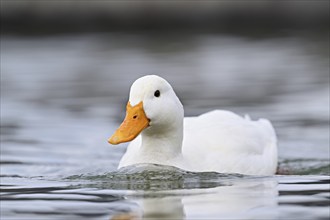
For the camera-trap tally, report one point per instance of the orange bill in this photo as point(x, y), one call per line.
point(133, 124)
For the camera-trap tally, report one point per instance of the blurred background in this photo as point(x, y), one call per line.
point(66, 71)
point(67, 66)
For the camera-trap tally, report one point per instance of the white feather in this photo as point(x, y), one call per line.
point(218, 141)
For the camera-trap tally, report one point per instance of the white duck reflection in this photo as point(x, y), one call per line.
point(244, 199)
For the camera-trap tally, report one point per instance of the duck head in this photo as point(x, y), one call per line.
point(153, 109)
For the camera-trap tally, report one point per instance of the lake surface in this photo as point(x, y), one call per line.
point(63, 96)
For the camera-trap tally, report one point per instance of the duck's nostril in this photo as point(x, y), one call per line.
point(135, 116)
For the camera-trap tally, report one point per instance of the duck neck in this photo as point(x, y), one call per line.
point(162, 144)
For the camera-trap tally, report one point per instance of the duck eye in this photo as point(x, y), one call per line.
point(157, 93)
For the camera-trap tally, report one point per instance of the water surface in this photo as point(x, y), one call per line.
point(62, 97)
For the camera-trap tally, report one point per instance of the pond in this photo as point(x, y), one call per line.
point(63, 96)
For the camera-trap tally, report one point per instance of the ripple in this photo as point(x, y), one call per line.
point(157, 177)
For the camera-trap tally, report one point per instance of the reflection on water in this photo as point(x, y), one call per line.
point(222, 196)
point(62, 97)
point(221, 202)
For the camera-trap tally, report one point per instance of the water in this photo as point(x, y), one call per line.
point(63, 96)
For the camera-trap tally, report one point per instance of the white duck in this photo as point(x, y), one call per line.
point(219, 141)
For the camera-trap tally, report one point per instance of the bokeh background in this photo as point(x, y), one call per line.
point(66, 69)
